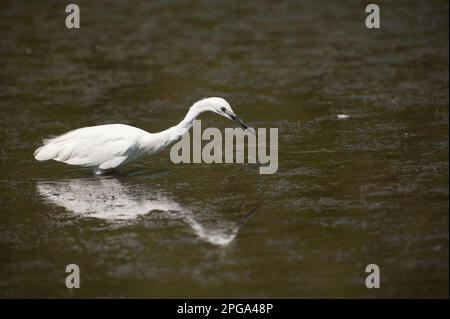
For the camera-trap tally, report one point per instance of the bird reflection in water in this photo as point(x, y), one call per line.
point(109, 199)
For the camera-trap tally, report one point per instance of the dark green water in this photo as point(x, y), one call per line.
point(370, 189)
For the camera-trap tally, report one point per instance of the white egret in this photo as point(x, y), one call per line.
point(107, 147)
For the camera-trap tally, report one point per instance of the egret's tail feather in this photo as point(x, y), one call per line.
point(47, 151)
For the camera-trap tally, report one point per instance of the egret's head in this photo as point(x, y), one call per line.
point(223, 108)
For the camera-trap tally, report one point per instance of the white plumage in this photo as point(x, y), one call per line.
point(106, 147)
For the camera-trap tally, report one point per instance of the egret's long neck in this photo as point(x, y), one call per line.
point(188, 120)
point(172, 134)
point(184, 126)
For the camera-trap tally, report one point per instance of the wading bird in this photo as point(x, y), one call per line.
point(107, 147)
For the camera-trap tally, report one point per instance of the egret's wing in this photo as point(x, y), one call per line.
point(103, 146)
point(104, 154)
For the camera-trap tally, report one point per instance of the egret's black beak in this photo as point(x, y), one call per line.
point(238, 120)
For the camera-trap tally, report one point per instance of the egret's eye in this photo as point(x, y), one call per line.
point(223, 109)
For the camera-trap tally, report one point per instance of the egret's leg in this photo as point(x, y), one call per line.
point(104, 172)
point(99, 172)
